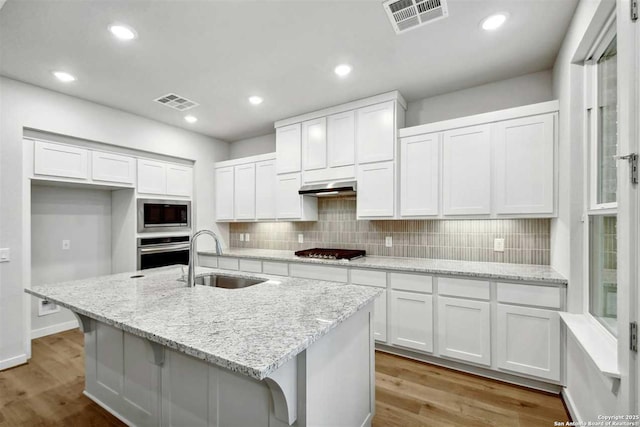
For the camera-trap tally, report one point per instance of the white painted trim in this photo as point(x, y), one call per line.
point(244, 160)
point(484, 118)
point(571, 406)
point(13, 361)
point(377, 99)
point(108, 408)
point(54, 329)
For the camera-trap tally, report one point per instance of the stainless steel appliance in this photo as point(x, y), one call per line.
point(162, 251)
point(338, 188)
point(164, 215)
point(346, 254)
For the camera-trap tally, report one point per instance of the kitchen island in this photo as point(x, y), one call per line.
point(286, 351)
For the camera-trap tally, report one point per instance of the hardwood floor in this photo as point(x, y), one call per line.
point(48, 392)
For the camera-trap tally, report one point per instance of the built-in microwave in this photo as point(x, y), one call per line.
point(163, 215)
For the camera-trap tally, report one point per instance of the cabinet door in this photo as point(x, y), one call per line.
point(419, 175)
point(314, 144)
point(60, 160)
point(464, 330)
point(529, 341)
point(380, 318)
point(179, 180)
point(467, 171)
point(341, 139)
point(289, 206)
point(376, 133)
point(244, 193)
point(524, 171)
point(376, 190)
point(288, 143)
point(111, 167)
point(224, 193)
point(266, 189)
point(412, 320)
point(152, 177)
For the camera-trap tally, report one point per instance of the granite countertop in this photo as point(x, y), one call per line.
point(252, 330)
point(490, 270)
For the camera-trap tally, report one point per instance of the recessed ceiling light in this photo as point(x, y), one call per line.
point(494, 22)
point(342, 69)
point(190, 119)
point(255, 100)
point(123, 32)
point(64, 76)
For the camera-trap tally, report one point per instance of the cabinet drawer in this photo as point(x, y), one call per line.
point(275, 268)
point(541, 296)
point(228, 263)
point(208, 261)
point(412, 282)
point(369, 278)
point(478, 289)
point(251, 265)
point(333, 274)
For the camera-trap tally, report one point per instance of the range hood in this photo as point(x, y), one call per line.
point(336, 188)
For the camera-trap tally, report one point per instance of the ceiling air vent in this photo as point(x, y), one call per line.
point(406, 15)
point(176, 102)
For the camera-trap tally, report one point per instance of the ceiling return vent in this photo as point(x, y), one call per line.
point(406, 15)
point(176, 102)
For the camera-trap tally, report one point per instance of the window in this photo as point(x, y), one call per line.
point(602, 117)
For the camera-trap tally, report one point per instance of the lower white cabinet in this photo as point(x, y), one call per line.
point(411, 318)
point(60, 160)
point(464, 329)
point(109, 167)
point(529, 341)
point(376, 190)
point(380, 319)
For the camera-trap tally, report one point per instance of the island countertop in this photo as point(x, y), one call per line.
point(252, 330)
point(489, 270)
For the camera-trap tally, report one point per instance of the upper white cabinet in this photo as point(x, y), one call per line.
point(420, 175)
point(245, 191)
point(290, 204)
point(314, 144)
point(524, 166)
point(376, 133)
point(288, 148)
point(376, 190)
point(224, 193)
point(466, 171)
point(167, 179)
point(341, 139)
point(110, 167)
point(60, 160)
point(266, 183)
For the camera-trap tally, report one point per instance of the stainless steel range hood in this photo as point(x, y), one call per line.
point(327, 189)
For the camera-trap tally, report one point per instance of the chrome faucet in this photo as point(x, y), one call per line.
point(191, 276)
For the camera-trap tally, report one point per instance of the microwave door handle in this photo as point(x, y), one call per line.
point(174, 248)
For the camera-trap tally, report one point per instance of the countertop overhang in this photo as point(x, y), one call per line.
point(252, 331)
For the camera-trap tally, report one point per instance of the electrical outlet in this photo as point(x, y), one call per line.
point(47, 307)
point(242, 237)
point(498, 245)
point(5, 255)
point(300, 238)
point(246, 237)
point(388, 241)
point(66, 245)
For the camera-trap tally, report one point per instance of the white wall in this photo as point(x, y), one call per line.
point(253, 146)
point(26, 106)
point(82, 216)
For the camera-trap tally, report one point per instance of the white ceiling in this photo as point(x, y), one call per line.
point(217, 53)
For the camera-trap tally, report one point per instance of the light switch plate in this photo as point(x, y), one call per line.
point(246, 237)
point(5, 255)
point(300, 238)
point(498, 245)
point(66, 245)
point(388, 241)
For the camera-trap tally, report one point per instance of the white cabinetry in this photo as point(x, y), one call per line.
point(292, 205)
point(266, 189)
point(420, 175)
point(376, 132)
point(60, 160)
point(179, 180)
point(245, 191)
point(411, 318)
point(224, 193)
point(467, 171)
point(380, 318)
point(288, 141)
point(314, 144)
point(464, 329)
point(341, 139)
point(110, 167)
point(161, 178)
point(376, 190)
point(524, 166)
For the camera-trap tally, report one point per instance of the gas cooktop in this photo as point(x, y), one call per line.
point(322, 253)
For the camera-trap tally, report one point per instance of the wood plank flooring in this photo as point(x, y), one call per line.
point(48, 392)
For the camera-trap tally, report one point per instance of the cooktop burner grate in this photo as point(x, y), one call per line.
point(323, 253)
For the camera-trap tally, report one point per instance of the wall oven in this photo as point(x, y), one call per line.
point(162, 251)
point(163, 215)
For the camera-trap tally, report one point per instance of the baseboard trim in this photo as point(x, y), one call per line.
point(571, 406)
point(13, 361)
point(54, 329)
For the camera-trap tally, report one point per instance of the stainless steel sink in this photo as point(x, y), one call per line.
point(227, 282)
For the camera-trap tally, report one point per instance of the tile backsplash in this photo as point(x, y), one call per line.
point(527, 241)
